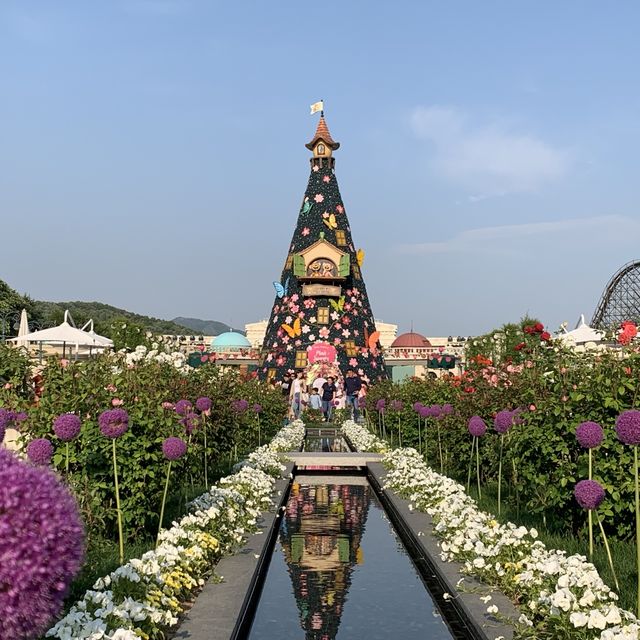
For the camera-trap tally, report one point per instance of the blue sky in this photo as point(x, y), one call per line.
point(152, 152)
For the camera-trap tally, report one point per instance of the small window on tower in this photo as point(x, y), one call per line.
point(356, 271)
point(320, 149)
point(341, 239)
point(289, 263)
point(323, 315)
point(301, 359)
point(271, 374)
point(350, 348)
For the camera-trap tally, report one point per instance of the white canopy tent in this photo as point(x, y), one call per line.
point(67, 334)
point(582, 334)
point(102, 340)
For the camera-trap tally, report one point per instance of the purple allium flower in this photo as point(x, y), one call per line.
point(67, 426)
point(174, 448)
point(380, 405)
point(417, 406)
point(436, 410)
point(239, 406)
point(425, 412)
point(589, 434)
point(257, 408)
point(503, 421)
point(21, 416)
point(113, 423)
point(7, 418)
point(40, 451)
point(477, 426)
point(396, 405)
point(183, 407)
point(589, 494)
point(362, 402)
point(447, 409)
point(190, 422)
point(517, 415)
point(203, 404)
point(41, 546)
point(628, 427)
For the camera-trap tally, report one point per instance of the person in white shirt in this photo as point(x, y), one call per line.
point(298, 387)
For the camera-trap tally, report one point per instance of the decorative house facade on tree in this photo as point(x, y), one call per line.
point(321, 319)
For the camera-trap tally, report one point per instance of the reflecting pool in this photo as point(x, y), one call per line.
point(326, 443)
point(339, 571)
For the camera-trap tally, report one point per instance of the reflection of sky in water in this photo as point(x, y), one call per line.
point(339, 571)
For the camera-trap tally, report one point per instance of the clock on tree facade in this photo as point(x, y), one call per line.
point(321, 317)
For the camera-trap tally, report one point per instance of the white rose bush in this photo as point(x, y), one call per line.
point(559, 596)
point(144, 597)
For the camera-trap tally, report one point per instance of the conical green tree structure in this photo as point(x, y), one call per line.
point(321, 314)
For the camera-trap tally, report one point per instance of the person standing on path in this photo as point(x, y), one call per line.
point(352, 386)
point(328, 396)
point(298, 387)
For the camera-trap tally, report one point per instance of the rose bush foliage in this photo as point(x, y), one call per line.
point(557, 389)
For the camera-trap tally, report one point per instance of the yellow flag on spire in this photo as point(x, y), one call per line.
point(317, 106)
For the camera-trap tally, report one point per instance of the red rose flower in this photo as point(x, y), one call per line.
point(545, 336)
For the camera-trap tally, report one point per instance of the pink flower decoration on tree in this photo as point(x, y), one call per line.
point(318, 197)
point(306, 231)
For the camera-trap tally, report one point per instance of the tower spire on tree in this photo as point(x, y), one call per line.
point(321, 317)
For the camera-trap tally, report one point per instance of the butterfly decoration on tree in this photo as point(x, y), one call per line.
point(293, 330)
point(371, 340)
point(330, 221)
point(339, 305)
point(360, 257)
point(282, 290)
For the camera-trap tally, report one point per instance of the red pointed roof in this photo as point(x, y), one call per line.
point(322, 133)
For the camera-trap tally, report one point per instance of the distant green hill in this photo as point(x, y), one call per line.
point(103, 315)
point(43, 313)
point(205, 327)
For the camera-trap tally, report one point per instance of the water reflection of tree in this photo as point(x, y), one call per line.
point(320, 535)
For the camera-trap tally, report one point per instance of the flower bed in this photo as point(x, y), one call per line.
point(144, 597)
point(560, 596)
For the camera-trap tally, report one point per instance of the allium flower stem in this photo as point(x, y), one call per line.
point(426, 443)
point(259, 435)
point(206, 465)
point(440, 451)
point(419, 433)
point(478, 466)
point(590, 511)
point(635, 464)
point(66, 464)
point(606, 546)
point(164, 500)
point(500, 472)
point(118, 508)
point(473, 444)
point(399, 433)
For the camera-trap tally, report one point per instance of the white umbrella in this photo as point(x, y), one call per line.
point(23, 330)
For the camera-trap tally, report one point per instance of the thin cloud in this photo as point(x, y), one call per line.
point(488, 159)
point(484, 239)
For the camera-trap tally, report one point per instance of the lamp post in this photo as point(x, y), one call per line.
point(8, 320)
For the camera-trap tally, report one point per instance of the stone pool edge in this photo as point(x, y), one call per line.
point(223, 610)
point(466, 599)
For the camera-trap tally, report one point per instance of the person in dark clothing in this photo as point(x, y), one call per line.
point(352, 386)
point(285, 385)
point(328, 396)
